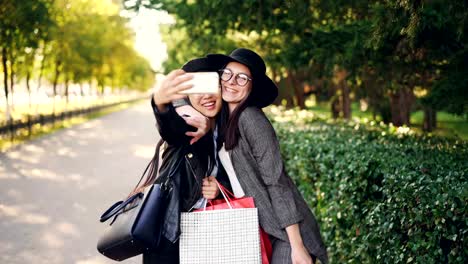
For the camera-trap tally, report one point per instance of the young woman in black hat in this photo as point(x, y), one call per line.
point(186, 160)
point(251, 156)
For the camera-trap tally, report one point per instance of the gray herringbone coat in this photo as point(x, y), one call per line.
point(259, 167)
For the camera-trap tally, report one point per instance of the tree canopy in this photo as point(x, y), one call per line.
point(69, 41)
point(399, 55)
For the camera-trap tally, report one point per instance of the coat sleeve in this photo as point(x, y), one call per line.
point(257, 130)
point(171, 126)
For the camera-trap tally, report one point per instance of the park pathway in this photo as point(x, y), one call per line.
point(53, 189)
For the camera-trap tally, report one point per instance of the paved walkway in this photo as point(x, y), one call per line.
point(53, 189)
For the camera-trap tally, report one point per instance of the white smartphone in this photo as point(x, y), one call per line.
point(203, 83)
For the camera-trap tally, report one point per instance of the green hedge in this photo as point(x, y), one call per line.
point(381, 194)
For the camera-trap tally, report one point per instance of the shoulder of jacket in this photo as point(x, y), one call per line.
point(253, 118)
point(251, 112)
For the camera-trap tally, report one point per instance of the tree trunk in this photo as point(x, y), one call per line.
point(12, 74)
point(341, 75)
point(299, 91)
point(41, 72)
point(406, 105)
point(320, 88)
point(12, 79)
point(374, 94)
point(290, 91)
point(66, 89)
point(91, 92)
point(395, 110)
point(335, 107)
point(28, 87)
point(400, 105)
point(335, 102)
point(430, 119)
point(297, 88)
point(346, 100)
point(5, 83)
point(56, 77)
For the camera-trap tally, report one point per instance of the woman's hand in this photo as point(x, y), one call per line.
point(195, 119)
point(210, 188)
point(170, 88)
point(300, 255)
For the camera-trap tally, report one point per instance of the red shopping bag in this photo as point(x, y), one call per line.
point(243, 202)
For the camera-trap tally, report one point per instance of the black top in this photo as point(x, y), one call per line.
point(200, 155)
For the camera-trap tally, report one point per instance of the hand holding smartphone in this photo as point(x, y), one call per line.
point(203, 83)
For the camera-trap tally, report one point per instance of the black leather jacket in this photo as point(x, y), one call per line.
point(186, 164)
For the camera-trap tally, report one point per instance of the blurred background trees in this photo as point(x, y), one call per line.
point(64, 42)
point(394, 56)
point(391, 58)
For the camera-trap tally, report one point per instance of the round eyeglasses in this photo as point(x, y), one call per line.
point(241, 78)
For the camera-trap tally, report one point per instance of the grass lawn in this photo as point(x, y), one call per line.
point(323, 110)
point(448, 125)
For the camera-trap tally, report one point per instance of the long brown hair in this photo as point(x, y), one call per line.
point(230, 127)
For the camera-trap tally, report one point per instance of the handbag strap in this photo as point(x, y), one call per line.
point(114, 209)
point(152, 169)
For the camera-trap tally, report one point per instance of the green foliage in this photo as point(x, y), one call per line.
point(70, 41)
point(424, 43)
point(180, 50)
point(92, 42)
point(449, 92)
point(386, 48)
point(380, 193)
point(23, 27)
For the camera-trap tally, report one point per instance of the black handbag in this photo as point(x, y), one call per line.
point(136, 222)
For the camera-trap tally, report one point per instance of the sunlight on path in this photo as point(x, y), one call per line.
point(53, 189)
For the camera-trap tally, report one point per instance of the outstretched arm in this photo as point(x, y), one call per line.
point(171, 126)
point(170, 88)
point(169, 91)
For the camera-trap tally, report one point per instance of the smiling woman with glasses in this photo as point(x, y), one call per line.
point(241, 78)
point(251, 149)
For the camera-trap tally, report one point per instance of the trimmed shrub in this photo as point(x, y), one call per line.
point(380, 193)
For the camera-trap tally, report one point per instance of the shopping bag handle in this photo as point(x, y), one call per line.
point(223, 191)
point(230, 194)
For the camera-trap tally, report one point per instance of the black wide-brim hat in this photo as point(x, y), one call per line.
point(264, 90)
point(203, 64)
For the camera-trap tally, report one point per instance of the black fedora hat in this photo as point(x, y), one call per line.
point(203, 64)
point(264, 90)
